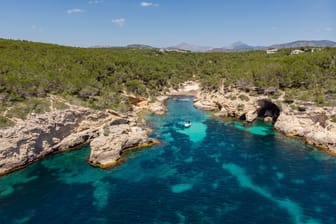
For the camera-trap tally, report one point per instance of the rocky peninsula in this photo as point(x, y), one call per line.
point(294, 118)
point(109, 133)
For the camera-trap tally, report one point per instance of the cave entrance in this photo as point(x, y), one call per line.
point(268, 110)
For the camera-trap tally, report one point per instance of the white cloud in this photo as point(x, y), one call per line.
point(36, 28)
point(72, 11)
point(148, 4)
point(328, 29)
point(119, 22)
point(94, 2)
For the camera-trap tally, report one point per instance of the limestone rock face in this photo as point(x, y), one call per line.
point(158, 107)
point(42, 134)
point(208, 106)
point(310, 122)
point(322, 138)
point(315, 133)
point(251, 115)
point(108, 147)
point(222, 113)
point(289, 125)
point(268, 119)
point(62, 130)
point(189, 88)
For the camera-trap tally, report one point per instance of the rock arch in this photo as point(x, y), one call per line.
point(268, 109)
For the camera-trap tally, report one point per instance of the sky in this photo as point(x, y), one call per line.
point(162, 23)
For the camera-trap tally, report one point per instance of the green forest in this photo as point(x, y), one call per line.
point(99, 77)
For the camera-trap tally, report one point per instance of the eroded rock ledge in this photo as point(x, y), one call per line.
point(113, 140)
point(108, 133)
point(295, 119)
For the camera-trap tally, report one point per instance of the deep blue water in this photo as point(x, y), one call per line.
point(212, 172)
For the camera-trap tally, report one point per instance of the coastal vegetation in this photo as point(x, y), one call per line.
point(103, 77)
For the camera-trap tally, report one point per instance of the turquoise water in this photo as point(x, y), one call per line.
point(212, 172)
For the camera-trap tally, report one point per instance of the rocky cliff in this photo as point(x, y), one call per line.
point(299, 119)
point(313, 125)
point(60, 130)
point(114, 140)
point(110, 134)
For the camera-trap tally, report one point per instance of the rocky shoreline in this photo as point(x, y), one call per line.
point(109, 133)
point(294, 119)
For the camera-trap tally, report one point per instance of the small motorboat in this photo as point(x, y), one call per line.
point(187, 124)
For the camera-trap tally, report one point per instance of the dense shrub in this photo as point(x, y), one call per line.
point(99, 77)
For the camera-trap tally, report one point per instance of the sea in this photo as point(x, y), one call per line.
point(215, 171)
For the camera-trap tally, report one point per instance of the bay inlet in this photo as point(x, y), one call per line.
point(215, 171)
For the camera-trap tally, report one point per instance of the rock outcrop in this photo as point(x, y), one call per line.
point(206, 105)
point(312, 125)
point(42, 134)
point(299, 119)
point(113, 140)
point(158, 106)
point(61, 130)
point(229, 104)
point(189, 88)
point(110, 134)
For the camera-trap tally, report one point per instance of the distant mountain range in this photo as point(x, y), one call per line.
point(190, 47)
point(141, 46)
point(240, 46)
point(306, 43)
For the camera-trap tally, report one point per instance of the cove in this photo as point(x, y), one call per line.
point(213, 172)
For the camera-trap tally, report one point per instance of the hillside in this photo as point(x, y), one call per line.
point(100, 78)
point(240, 46)
point(306, 43)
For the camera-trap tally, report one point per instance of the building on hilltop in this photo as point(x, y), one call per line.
point(296, 51)
point(271, 51)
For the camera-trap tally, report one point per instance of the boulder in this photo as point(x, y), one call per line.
point(222, 113)
point(268, 119)
point(158, 107)
point(251, 115)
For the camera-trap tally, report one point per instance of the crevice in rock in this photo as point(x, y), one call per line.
point(242, 117)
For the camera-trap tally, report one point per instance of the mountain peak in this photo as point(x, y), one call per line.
point(191, 47)
point(241, 46)
point(238, 45)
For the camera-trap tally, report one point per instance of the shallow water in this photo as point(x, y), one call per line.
point(212, 172)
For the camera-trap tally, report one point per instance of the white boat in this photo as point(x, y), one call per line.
point(187, 124)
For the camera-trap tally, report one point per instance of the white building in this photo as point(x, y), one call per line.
point(271, 51)
point(296, 51)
